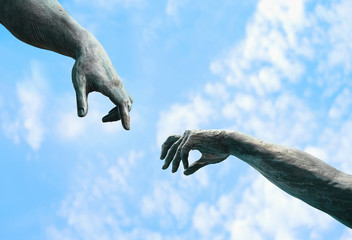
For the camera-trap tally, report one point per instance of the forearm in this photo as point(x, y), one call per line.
point(45, 24)
point(297, 173)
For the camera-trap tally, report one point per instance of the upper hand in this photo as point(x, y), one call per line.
point(177, 148)
point(93, 71)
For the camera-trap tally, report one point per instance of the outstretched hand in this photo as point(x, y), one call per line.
point(93, 71)
point(176, 148)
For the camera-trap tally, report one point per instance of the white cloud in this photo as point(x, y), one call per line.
point(283, 119)
point(28, 123)
point(318, 152)
point(337, 144)
point(341, 104)
point(346, 235)
point(256, 209)
point(96, 208)
point(173, 6)
point(339, 34)
point(10, 127)
point(206, 216)
point(31, 110)
point(181, 117)
point(165, 200)
point(69, 126)
point(266, 43)
point(265, 212)
point(217, 90)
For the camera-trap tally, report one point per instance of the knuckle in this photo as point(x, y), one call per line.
point(169, 138)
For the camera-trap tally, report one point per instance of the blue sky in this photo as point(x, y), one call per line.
point(277, 70)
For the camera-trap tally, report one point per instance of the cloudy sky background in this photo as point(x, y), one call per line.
point(278, 70)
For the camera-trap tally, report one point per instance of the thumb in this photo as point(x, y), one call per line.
point(81, 98)
point(195, 167)
point(79, 83)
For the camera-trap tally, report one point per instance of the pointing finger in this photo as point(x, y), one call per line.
point(125, 116)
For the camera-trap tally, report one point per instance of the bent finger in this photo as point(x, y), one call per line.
point(113, 115)
point(167, 144)
point(171, 153)
point(177, 157)
point(195, 167)
point(186, 148)
point(124, 115)
point(119, 96)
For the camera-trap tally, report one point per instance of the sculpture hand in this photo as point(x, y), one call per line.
point(93, 71)
point(177, 148)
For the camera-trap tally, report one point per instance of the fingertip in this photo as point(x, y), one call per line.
point(174, 169)
point(81, 112)
point(82, 103)
point(125, 116)
point(185, 164)
point(112, 116)
point(105, 119)
point(126, 123)
point(192, 169)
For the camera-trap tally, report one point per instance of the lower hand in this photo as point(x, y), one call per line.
point(176, 149)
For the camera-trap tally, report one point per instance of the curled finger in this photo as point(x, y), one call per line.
point(121, 98)
point(171, 153)
point(113, 115)
point(125, 116)
point(195, 167)
point(186, 148)
point(177, 157)
point(167, 144)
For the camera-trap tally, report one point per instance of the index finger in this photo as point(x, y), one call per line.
point(125, 116)
point(118, 95)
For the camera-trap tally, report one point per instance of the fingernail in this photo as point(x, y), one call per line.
point(81, 112)
point(126, 125)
